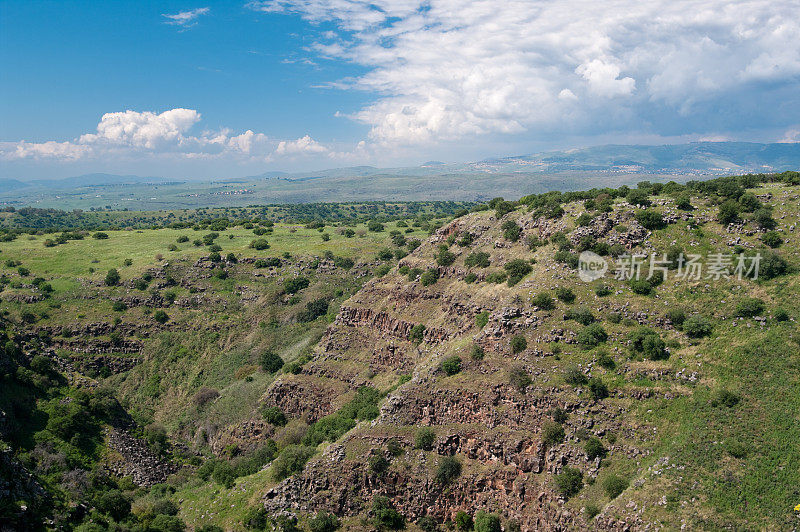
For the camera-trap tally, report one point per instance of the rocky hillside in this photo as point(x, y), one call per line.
point(565, 404)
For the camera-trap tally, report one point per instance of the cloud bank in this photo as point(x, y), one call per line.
point(134, 134)
point(449, 69)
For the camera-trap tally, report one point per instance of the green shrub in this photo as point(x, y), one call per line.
point(470, 278)
point(569, 482)
point(728, 212)
point(427, 523)
point(496, 277)
point(167, 523)
point(565, 294)
point(566, 257)
point(646, 342)
point(763, 217)
point(293, 285)
point(518, 344)
point(464, 521)
point(482, 319)
point(552, 433)
point(511, 231)
point(445, 257)
point(697, 327)
point(478, 259)
point(780, 315)
point(597, 388)
point(314, 309)
point(772, 265)
point(641, 286)
point(476, 352)
point(424, 439)
point(385, 516)
point(160, 316)
point(582, 315)
point(592, 335)
point(772, 239)
point(517, 270)
point(259, 244)
point(606, 361)
point(594, 448)
point(638, 197)
point(429, 277)
point(486, 522)
point(291, 460)
point(736, 449)
point(451, 365)
point(270, 362)
point(614, 485)
point(677, 316)
point(559, 415)
point(378, 464)
point(448, 470)
point(274, 416)
point(575, 377)
point(114, 503)
point(749, 307)
point(602, 290)
point(543, 301)
point(324, 522)
point(518, 377)
point(255, 518)
point(650, 219)
point(417, 333)
point(224, 474)
point(112, 277)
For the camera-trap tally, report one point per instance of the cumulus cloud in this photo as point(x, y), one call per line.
point(448, 69)
point(167, 134)
point(186, 19)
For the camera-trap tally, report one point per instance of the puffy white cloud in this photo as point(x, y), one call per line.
point(303, 145)
point(138, 134)
point(186, 19)
point(448, 69)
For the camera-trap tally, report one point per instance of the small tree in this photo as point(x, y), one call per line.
point(112, 277)
point(486, 522)
point(569, 482)
point(518, 344)
point(544, 301)
point(270, 362)
point(595, 448)
point(614, 485)
point(160, 316)
point(424, 439)
point(274, 416)
point(451, 365)
point(463, 521)
point(519, 378)
point(552, 433)
point(449, 469)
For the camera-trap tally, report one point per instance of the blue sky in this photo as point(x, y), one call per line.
point(224, 89)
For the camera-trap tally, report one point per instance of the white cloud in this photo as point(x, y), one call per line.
point(168, 134)
point(303, 145)
point(186, 19)
point(449, 69)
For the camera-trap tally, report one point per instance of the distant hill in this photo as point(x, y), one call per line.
point(511, 177)
point(711, 157)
